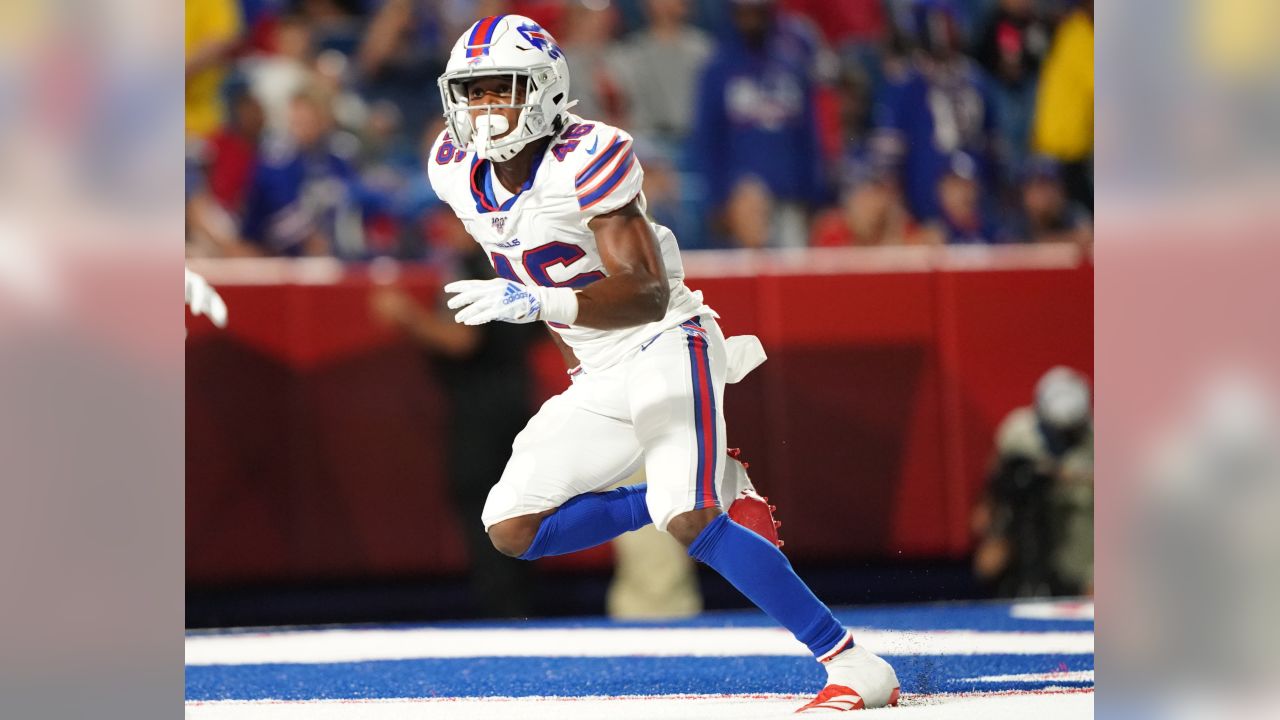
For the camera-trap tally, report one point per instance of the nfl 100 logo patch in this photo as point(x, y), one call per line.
point(499, 223)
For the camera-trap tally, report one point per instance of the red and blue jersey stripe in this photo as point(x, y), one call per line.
point(607, 172)
point(704, 415)
point(482, 36)
point(611, 151)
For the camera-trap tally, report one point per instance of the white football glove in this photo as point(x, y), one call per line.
point(204, 300)
point(483, 301)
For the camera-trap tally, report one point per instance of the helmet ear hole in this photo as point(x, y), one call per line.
point(535, 123)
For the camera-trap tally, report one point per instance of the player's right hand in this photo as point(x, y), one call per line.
point(483, 301)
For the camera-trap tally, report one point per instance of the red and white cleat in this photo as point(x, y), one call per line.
point(835, 697)
point(857, 679)
point(745, 506)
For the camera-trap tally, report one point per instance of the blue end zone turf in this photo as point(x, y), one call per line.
point(576, 677)
point(438, 677)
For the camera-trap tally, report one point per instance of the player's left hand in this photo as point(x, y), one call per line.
point(482, 301)
point(204, 300)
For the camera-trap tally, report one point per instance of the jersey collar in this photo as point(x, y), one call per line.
point(482, 185)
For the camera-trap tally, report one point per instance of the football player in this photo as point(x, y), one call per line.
point(555, 200)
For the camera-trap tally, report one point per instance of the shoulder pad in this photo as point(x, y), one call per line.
point(602, 161)
point(445, 160)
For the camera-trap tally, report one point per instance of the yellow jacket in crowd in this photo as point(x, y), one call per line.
point(1064, 108)
point(212, 28)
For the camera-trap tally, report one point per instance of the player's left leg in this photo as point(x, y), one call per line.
point(676, 406)
point(549, 500)
point(588, 520)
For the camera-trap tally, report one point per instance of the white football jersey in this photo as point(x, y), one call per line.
point(540, 235)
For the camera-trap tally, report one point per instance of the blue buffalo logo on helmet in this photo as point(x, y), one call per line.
point(539, 38)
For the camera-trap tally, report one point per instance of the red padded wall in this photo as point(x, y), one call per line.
point(313, 436)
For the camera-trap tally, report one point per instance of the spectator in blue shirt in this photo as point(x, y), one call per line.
point(399, 58)
point(1046, 213)
point(963, 218)
point(1012, 45)
point(943, 106)
point(304, 198)
point(755, 119)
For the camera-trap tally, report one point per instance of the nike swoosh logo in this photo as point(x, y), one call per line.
point(592, 151)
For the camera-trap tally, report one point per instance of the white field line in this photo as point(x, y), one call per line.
point(907, 698)
point(1042, 705)
point(1053, 610)
point(1065, 676)
point(347, 645)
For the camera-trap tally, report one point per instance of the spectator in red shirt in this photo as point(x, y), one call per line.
point(233, 149)
point(871, 211)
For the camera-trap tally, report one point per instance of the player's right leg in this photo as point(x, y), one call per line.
point(678, 392)
point(547, 501)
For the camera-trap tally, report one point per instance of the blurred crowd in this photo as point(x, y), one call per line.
point(760, 123)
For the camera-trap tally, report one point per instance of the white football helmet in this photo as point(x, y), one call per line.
point(506, 45)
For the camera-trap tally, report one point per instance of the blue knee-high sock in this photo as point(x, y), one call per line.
point(588, 520)
point(761, 572)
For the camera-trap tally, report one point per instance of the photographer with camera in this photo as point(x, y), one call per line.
point(1035, 521)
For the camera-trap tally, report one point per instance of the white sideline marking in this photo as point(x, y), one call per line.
point(1041, 705)
point(348, 645)
point(1053, 610)
point(1065, 676)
